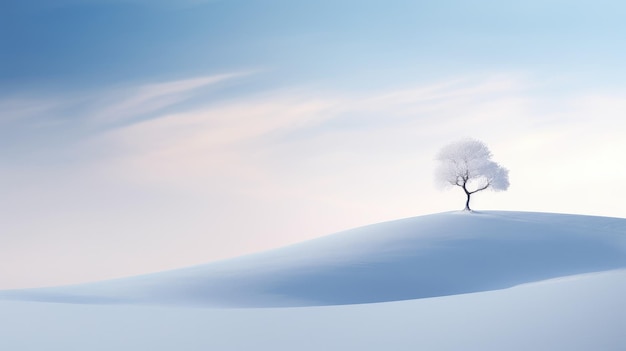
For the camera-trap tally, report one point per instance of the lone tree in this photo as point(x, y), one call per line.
point(468, 165)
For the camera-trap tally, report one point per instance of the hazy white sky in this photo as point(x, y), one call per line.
point(139, 136)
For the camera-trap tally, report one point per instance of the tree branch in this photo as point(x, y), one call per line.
point(480, 189)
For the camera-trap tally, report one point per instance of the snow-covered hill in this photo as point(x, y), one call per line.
point(468, 257)
point(427, 256)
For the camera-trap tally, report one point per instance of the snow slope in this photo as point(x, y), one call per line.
point(453, 267)
point(582, 313)
point(427, 256)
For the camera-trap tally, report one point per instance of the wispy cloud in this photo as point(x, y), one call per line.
point(61, 120)
point(264, 135)
point(138, 101)
point(23, 108)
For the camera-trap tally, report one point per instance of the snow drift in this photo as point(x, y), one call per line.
point(427, 256)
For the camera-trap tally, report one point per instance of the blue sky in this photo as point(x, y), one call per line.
point(141, 135)
point(78, 44)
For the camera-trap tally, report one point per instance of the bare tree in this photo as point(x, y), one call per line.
point(468, 165)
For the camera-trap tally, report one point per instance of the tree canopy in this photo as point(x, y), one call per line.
point(468, 165)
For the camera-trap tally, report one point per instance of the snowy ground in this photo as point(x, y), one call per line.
point(452, 281)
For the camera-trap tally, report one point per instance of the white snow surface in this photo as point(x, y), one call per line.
point(450, 281)
point(585, 313)
point(427, 256)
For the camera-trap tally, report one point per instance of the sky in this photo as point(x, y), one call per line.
point(138, 136)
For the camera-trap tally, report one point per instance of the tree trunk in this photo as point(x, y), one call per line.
point(467, 207)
